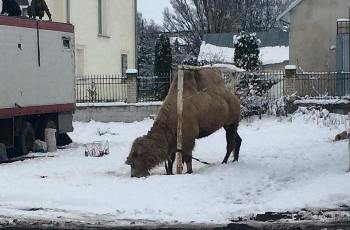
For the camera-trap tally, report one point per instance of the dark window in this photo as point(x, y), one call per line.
point(66, 42)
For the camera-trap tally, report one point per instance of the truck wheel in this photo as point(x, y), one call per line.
point(45, 124)
point(26, 138)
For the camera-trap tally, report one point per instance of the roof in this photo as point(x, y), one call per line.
point(274, 37)
point(285, 15)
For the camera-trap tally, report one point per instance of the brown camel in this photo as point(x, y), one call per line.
point(208, 106)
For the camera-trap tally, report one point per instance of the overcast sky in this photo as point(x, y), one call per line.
point(153, 9)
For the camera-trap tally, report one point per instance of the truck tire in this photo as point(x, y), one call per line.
point(26, 138)
point(42, 125)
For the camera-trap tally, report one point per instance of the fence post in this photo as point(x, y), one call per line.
point(180, 81)
point(290, 87)
point(131, 80)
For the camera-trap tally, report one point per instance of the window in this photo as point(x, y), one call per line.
point(101, 14)
point(124, 64)
point(66, 42)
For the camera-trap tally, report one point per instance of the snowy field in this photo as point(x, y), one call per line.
point(285, 164)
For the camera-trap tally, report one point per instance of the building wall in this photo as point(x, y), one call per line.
point(99, 53)
point(117, 113)
point(313, 32)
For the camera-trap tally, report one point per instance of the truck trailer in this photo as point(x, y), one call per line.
point(37, 82)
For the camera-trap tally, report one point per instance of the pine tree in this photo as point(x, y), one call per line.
point(162, 65)
point(163, 59)
point(147, 35)
point(246, 51)
point(252, 87)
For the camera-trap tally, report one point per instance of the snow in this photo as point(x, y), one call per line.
point(343, 20)
point(131, 71)
point(321, 101)
point(180, 40)
point(230, 67)
point(212, 53)
point(273, 55)
point(291, 67)
point(268, 55)
point(285, 164)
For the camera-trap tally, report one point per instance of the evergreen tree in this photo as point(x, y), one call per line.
point(246, 51)
point(147, 35)
point(252, 87)
point(163, 59)
point(162, 65)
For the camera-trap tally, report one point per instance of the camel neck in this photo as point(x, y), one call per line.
point(162, 134)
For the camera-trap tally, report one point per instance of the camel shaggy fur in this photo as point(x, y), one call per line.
point(208, 106)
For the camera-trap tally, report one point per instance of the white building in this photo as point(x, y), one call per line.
point(105, 33)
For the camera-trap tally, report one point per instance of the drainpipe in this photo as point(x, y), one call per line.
point(135, 30)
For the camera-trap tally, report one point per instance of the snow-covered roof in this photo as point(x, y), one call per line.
point(131, 71)
point(342, 20)
point(217, 54)
point(229, 67)
point(285, 15)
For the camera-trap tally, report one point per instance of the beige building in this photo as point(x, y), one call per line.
point(105, 32)
point(313, 32)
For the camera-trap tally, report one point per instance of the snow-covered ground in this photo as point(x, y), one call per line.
point(285, 164)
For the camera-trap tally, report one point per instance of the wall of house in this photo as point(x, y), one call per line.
point(116, 113)
point(99, 53)
point(313, 32)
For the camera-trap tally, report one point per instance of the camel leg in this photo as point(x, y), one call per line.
point(187, 153)
point(188, 160)
point(231, 131)
point(169, 164)
point(238, 142)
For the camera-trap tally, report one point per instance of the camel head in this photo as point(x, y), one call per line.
point(145, 154)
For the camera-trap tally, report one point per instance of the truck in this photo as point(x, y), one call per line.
point(37, 82)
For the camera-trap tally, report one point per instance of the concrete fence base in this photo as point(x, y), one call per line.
point(116, 112)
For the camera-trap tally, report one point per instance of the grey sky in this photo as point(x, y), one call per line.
point(153, 9)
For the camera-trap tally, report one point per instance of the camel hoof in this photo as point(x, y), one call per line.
point(189, 172)
point(224, 162)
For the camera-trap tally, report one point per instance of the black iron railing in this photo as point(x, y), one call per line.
point(322, 84)
point(271, 85)
point(153, 88)
point(101, 88)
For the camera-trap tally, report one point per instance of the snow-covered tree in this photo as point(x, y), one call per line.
point(147, 35)
point(246, 51)
point(252, 87)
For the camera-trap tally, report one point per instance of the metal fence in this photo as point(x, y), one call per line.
point(322, 84)
point(153, 88)
point(267, 84)
point(101, 88)
point(315, 84)
point(272, 85)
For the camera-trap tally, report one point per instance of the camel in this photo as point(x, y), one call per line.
point(208, 106)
